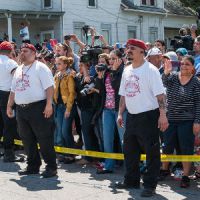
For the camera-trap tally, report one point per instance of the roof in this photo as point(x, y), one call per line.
point(30, 13)
point(174, 7)
point(131, 6)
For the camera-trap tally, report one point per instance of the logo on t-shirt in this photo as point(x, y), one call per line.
point(22, 83)
point(132, 86)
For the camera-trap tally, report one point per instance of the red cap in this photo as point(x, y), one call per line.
point(28, 46)
point(6, 46)
point(137, 43)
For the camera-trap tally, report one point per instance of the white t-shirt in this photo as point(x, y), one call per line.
point(140, 86)
point(7, 65)
point(30, 82)
point(24, 33)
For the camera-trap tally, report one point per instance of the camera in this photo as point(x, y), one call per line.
point(91, 55)
point(67, 37)
point(101, 67)
point(47, 54)
point(86, 89)
point(96, 37)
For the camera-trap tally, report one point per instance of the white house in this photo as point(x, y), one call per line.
point(117, 20)
point(45, 18)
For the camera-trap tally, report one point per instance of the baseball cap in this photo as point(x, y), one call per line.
point(137, 43)
point(171, 55)
point(182, 51)
point(28, 46)
point(6, 46)
point(154, 52)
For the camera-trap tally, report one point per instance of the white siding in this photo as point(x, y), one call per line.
point(33, 5)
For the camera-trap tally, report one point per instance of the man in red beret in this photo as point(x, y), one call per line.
point(32, 91)
point(7, 69)
point(142, 93)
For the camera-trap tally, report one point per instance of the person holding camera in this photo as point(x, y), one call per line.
point(86, 91)
point(64, 96)
point(110, 105)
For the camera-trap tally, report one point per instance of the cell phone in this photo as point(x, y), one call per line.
point(96, 37)
point(67, 37)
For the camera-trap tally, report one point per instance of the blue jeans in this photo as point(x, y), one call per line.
point(109, 124)
point(63, 132)
point(89, 138)
point(179, 134)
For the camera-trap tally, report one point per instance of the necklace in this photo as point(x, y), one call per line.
point(23, 74)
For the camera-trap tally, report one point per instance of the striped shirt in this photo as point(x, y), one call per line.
point(183, 101)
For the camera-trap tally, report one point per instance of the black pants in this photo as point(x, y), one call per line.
point(9, 124)
point(35, 128)
point(142, 135)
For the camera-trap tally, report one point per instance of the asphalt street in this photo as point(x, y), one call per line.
point(75, 182)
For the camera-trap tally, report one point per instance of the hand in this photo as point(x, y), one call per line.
point(48, 111)
point(120, 121)
point(117, 64)
point(87, 79)
point(73, 38)
point(101, 38)
point(196, 128)
point(100, 74)
point(163, 123)
point(167, 67)
point(10, 112)
point(73, 73)
point(67, 114)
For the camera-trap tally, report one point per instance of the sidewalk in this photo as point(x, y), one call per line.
point(78, 183)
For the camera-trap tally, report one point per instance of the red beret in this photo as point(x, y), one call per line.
point(137, 43)
point(6, 46)
point(28, 46)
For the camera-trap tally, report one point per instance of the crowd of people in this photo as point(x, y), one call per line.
point(133, 98)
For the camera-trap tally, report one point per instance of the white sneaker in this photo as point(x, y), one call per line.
point(178, 173)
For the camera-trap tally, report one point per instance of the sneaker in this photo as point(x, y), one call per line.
point(69, 160)
point(83, 162)
point(148, 192)
point(60, 158)
point(163, 174)
point(104, 171)
point(185, 182)
point(178, 173)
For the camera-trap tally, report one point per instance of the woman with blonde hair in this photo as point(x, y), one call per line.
point(64, 96)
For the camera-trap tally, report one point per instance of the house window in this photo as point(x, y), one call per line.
point(106, 32)
point(78, 31)
point(92, 3)
point(153, 34)
point(132, 32)
point(47, 3)
point(148, 2)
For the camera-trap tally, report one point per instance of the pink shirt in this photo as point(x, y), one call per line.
point(110, 93)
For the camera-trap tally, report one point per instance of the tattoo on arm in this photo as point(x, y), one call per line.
point(161, 101)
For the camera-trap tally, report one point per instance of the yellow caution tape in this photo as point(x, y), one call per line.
point(119, 156)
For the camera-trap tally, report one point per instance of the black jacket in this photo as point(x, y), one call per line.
point(116, 76)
